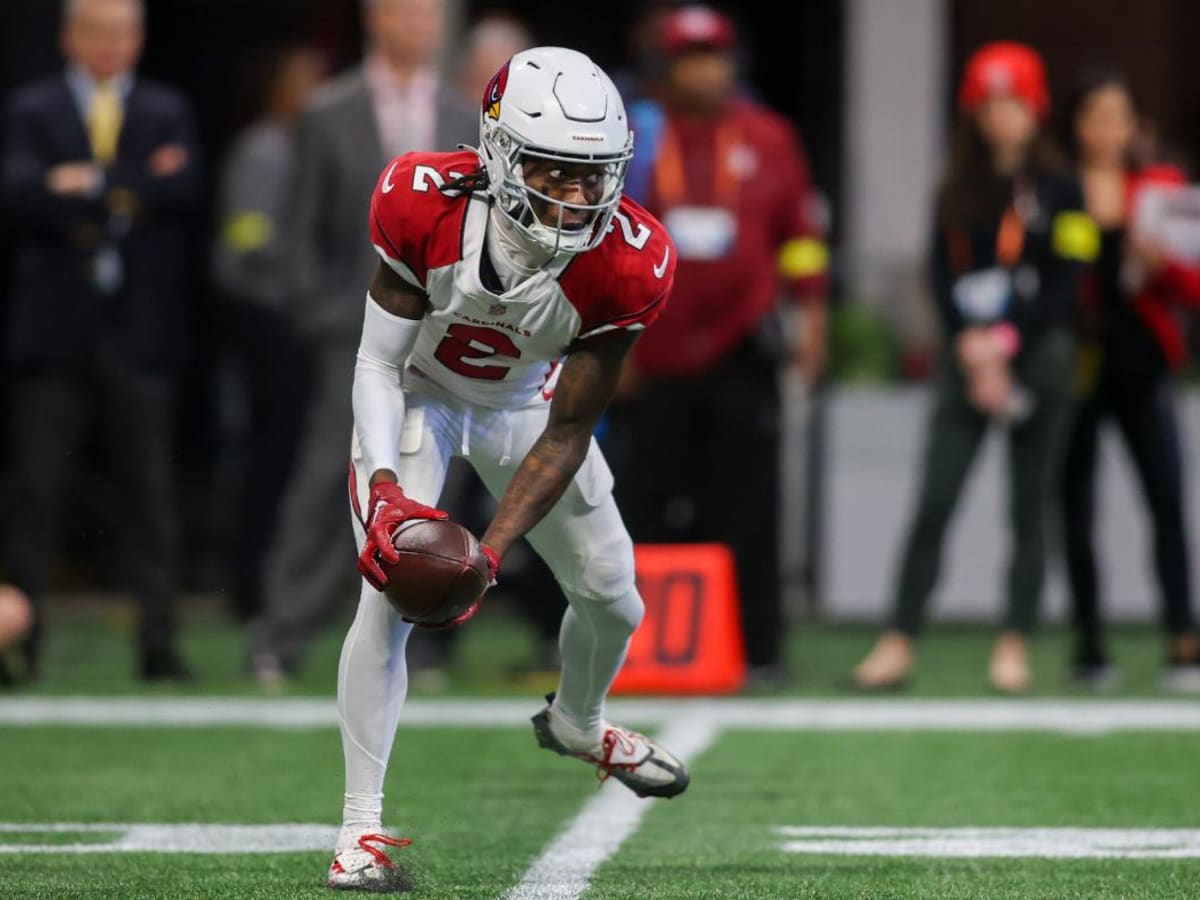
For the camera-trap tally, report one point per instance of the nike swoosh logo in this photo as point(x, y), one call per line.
point(661, 269)
point(387, 181)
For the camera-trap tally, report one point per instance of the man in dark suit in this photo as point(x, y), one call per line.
point(395, 102)
point(99, 172)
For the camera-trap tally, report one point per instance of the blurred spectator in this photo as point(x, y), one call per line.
point(643, 77)
point(395, 102)
point(261, 334)
point(16, 621)
point(1009, 247)
point(99, 171)
point(730, 181)
point(487, 45)
point(1130, 344)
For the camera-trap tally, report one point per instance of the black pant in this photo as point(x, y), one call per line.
point(1145, 414)
point(133, 414)
point(953, 437)
point(703, 465)
point(275, 369)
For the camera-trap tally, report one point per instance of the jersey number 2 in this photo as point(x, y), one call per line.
point(466, 342)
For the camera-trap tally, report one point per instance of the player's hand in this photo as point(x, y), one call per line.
point(977, 349)
point(73, 179)
point(493, 563)
point(389, 507)
point(167, 160)
point(810, 354)
point(990, 390)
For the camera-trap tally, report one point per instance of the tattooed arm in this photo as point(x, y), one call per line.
point(585, 387)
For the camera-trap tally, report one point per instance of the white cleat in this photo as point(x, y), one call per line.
point(639, 763)
point(367, 866)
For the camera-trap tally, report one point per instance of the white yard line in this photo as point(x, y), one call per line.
point(1077, 716)
point(1043, 843)
point(566, 866)
point(564, 870)
point(185, 838)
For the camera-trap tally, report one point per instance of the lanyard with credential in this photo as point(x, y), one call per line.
point(1010, 242)
point(670, 184)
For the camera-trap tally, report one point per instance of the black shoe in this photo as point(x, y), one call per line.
point(164, 664)
point(18, 666)
point(768, 677)
point(1099, 678)
point(12, 675)
point(1091, 670)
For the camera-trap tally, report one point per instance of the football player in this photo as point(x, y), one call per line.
point(513, 280)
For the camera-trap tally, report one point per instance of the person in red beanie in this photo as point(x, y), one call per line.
point(1130, 344)
point(729, 180)
point(1010, 245)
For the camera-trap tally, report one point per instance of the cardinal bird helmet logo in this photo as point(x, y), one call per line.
point(495, 91)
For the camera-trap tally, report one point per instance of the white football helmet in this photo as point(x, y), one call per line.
point(554, 104)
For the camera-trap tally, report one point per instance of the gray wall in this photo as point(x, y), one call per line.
point(874, 445)
point(894, 122)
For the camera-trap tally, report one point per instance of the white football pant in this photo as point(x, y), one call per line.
point(582, 540)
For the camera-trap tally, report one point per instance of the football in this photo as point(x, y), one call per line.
point(441, 572)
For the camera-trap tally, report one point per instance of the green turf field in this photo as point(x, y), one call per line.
point(90, 651)
point(482, 803)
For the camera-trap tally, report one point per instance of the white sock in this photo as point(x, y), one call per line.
point(372, 683)
point(361, 814)
point(593, 640)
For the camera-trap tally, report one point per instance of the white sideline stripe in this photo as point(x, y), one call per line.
point(566, 866)
point(158, 838)
point(1079, 716)
point(1044, 843)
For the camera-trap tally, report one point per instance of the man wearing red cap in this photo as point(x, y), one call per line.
point(730, 181)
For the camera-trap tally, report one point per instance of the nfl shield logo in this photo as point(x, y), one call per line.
point(497, 309)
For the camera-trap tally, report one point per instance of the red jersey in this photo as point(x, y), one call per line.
point(734, 193)
point(502, 349)
point(1178, 282)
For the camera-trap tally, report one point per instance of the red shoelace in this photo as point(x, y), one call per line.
point(614, 738)
point(380, 856)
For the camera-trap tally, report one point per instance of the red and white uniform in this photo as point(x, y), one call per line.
point(479, 381)
point(501, 350)
point(475, 378)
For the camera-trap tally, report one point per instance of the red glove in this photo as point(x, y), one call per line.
point(493, 561)
point(388, 509)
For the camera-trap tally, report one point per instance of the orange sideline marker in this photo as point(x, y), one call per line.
point(690, 641)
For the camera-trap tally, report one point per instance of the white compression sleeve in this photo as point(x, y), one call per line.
point(378, 397)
